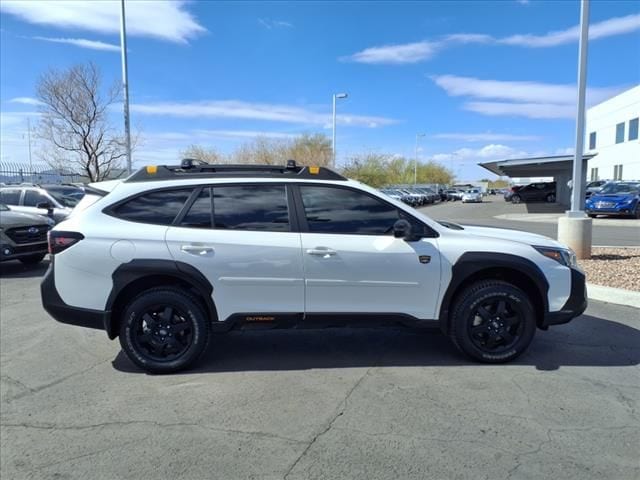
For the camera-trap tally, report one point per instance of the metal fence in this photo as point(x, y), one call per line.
point(40, 173)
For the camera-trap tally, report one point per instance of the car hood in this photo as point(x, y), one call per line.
point(611, 197)
point(11, 219)
point(513, 235)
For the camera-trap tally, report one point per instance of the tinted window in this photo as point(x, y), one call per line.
point(592, 140)
point(199, 215)
point(156, 207)
point(633, 129)
point(338, 210)
point(620, 132)
point(32, 198)
point(251, 207)
point(10, 197)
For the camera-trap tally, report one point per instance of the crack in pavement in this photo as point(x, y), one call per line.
point(342, 406)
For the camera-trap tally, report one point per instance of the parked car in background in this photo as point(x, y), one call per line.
point(535, 192)
point(594, 187)
point(615, 198)
point(23, 236)
point(400, 195)
point(508, 193)
point(56, 201)
point(472, 196)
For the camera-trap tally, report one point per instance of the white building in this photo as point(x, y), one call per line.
point(612, 132)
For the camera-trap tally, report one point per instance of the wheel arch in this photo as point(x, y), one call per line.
point(472, 267)
point(131, 278)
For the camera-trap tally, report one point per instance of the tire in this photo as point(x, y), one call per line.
point(177, 342)
point(637, 215)
point(516, 199)
point(492, 322)
point(591, 215)
point(33, 259)
point(551, 198)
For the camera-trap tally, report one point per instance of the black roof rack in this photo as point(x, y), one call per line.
point(191, 168)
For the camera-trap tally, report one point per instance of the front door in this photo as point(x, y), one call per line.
point(353, 263)
point(240, 238)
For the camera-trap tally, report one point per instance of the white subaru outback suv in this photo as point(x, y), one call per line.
point(173, 254)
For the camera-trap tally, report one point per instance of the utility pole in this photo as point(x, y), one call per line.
point(29, 142)
point(333, 142)
point(575, 229)
point(415, 162)
point(125, 84)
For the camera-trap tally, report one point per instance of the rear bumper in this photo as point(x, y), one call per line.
point(575, 305)
point(63, 313)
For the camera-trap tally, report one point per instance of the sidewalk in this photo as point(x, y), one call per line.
point(613, 295)
point(553, 218)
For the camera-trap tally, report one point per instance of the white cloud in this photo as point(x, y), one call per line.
point(254, 111)
point(486, 137)
point(165, 20)
point(530, 110)
point(82, 43)
point(424, 50)
point(606, 28)
point(488, 152)
point(395, 54)
point(270, 24)
point(518, 91)
point(26, 101)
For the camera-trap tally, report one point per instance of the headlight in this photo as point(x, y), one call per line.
point(564, 256)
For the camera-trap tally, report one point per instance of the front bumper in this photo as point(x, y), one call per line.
point(575, 305)
point(55, 306)
point(611, 211)
point(15, 252)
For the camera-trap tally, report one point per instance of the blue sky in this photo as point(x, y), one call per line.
point(482, 80)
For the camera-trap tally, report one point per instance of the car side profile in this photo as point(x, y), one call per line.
point(535, 192)
point(173, 254)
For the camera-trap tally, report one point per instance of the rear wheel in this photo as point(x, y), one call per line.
point(550, 198)
point(516, 199)
point(33, 259)
point(591, 215)
point(492, 321)
point(164, 330)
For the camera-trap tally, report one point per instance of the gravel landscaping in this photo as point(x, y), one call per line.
point(614, 267)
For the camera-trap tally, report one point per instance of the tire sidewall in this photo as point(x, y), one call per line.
point(467, 306)
point(164, 297)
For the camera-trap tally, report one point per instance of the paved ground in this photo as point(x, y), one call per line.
point(605, 231)
point(347, 404)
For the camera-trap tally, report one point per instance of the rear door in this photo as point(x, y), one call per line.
point(242, 237)
point(353, 263)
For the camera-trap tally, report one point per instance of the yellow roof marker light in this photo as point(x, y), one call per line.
point(152, 169)
point(314, 170)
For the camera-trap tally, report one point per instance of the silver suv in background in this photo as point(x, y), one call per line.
point(55, 201)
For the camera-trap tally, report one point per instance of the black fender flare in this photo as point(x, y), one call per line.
point(136, 269)
point(471, 263)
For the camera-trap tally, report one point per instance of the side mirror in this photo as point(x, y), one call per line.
point(46, 206)
point(402, 229)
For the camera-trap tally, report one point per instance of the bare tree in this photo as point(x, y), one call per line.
point(75, 123)
point(205, 154)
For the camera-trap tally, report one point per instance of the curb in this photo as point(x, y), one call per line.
point(613, 295)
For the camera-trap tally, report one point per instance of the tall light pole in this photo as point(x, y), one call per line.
point(575, 229)
point(125, 83)
point(29, 141)
point(333, 143)
point(415, 161)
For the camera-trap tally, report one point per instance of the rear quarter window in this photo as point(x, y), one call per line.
point(159, 208)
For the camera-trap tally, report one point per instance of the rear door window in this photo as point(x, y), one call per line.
point(251, 207)
point(32, 198)
point(159, 207)
point(200, 214)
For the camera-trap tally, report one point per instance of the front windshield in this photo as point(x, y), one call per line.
point(66, 196)
point(619, 188)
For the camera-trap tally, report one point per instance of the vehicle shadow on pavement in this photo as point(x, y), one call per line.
point(16, 269)
point(587, 341)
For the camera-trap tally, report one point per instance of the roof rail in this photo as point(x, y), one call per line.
point(192, 168)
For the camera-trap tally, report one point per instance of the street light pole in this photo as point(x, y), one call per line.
point(333, 142)
point(125, 84)
point(415, 162)
point(29, 140)
point(575, 229)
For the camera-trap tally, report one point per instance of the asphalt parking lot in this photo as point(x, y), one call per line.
point(326, 404)
point(606, 231)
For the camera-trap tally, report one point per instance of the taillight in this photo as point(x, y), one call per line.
point(60, 241)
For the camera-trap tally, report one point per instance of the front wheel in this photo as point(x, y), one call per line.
point(516, 199)
point(164, 330)
point(492, 321)
point(551, 198)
